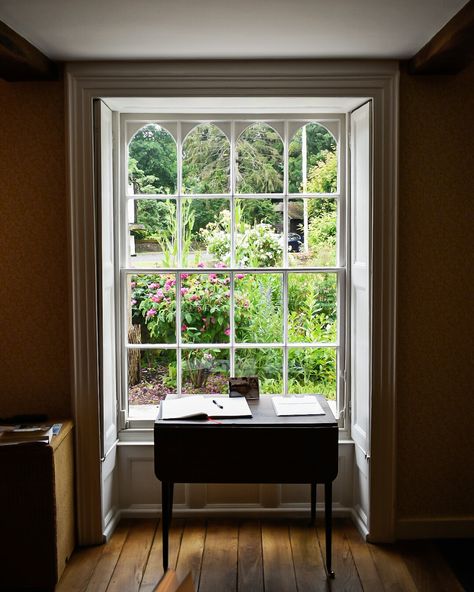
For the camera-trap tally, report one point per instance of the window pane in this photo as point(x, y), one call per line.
point(312, 307)
point(206, 160)
point(266, 363)
point(318, 174)
point(312, 232)
point(152, 313)
point(206, 232)
point(205, 308)
point(205, 371)
point(258, 307)
point(258, 232)
point(153, 233)
point(151, 375)
point(152, 161)
point(259, 160)
point(312, 370)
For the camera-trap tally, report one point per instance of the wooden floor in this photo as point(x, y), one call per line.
point(255, 556)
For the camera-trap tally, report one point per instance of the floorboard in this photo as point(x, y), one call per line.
point(347, 579)
point(108, 560)
point(128, 572)
point(80, 569)
point(154, 567)
point(392, 568)
point(363, 560)
point(219, 562)
point(191, 550)
point(428, 568)
point(307, 560)
point(250, 559)
point(278, 569)
point(256, 556)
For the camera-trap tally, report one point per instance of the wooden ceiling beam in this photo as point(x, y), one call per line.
point(21, 61)
point(451, 49)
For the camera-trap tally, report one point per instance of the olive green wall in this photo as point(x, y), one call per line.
point(435, 343)
point(435, 459)
point(34, 340)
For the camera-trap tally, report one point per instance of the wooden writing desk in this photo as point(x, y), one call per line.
point(259, 449)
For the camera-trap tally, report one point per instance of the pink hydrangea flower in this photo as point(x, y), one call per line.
point(184, 291)
point(133, 284)
point(151, 312)
point(239, 276)
point(184, 276)
point(227, 331)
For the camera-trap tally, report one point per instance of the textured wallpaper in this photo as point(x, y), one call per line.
point(435, 297)
point(34, 341)
point(435, 397)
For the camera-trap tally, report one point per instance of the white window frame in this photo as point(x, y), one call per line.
point(375, 80)
point(286, 125)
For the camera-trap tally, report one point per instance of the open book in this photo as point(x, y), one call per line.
point(195, 406)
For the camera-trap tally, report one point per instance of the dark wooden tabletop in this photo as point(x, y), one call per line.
point(263, 415)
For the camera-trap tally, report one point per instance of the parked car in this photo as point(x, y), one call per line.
point(294, 242)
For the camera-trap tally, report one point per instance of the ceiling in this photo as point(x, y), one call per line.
point(186, 29)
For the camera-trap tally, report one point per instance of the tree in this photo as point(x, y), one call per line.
point(320, 142)
point(206, 161)
point(152, 164)
point(259, 160)
point(322, 178)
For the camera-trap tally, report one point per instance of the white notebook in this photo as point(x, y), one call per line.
point(306, 405)
point(200, 406)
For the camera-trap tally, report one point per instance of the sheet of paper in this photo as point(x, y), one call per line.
point(306, 405)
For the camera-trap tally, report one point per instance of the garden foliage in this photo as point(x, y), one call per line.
point(205, 297)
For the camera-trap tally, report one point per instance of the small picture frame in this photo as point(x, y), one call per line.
point(244, 386)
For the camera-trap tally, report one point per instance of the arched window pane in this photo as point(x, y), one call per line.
point(206, 161)
point(318, 172)
point(259, 160)
point(152, 161)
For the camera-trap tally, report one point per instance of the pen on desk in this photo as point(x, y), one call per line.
point(216, 403)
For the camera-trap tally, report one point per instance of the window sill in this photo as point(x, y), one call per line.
point(141, 420)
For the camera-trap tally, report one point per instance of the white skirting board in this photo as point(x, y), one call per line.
point(435, 528)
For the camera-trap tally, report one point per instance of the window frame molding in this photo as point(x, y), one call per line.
point(287, 125)
point(377, 80)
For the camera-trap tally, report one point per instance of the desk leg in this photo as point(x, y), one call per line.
point(313, 504)
point(166, 513)
point(328, 524)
